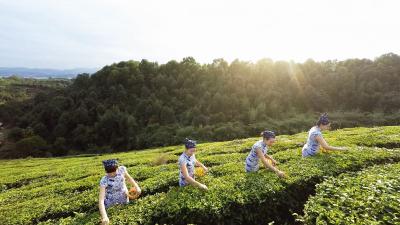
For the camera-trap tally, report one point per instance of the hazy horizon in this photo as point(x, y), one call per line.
point(178, 60)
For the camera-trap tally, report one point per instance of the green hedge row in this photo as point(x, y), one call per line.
point(369, 197)
point(239, 198)
point(65, 190)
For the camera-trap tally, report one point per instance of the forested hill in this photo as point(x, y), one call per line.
point(134, 105)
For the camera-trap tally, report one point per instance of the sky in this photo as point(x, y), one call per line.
point(63, 34)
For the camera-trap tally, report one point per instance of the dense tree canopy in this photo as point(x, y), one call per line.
point(133, 105)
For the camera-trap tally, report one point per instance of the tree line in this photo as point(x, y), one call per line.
point(135, 105)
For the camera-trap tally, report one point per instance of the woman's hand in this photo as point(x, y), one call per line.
point(205, 169)
point(280, 174)
point(138, 191)
point(203, 187)
point(105, 221)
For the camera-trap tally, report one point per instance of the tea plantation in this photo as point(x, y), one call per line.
point(357, 186)
point(371, 196)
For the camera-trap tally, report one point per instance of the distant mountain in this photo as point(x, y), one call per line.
point(43, 72)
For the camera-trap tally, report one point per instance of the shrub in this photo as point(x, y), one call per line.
point(35, 145)
point(371, 196)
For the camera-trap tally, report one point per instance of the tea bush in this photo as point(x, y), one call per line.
point(371, 196)
point(65, 190)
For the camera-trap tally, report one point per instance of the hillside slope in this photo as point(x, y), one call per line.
point(65, 190)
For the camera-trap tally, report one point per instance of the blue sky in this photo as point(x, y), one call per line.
point(65, 34)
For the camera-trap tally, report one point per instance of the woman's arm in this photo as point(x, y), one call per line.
point(190, 180)
point(198, 163)
point(268, 165)
point(102, 208)
point(133, 182)
point(272, 159)
point(325, 145)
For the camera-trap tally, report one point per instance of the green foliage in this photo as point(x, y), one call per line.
point(371, 196)
point(19, 89)
point(64, 190)
point(15, 134)
point(35, 145)
point(136, 105)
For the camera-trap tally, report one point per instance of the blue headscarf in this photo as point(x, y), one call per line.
point(190, 144)
point(110, 163)
point(267, 134)
point(323, 119)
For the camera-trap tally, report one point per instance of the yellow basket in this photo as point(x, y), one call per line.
point(325, 151)
point(199, 172)
point(132, 194)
